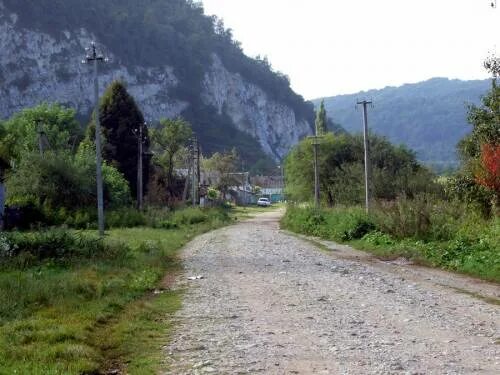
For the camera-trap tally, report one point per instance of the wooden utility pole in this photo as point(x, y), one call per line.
point(315, 143)
point(198, 171)
point(95, 58)
point(139, 133)
point(365, 103)
point(195, 169)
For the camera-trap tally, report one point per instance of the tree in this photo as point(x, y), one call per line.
point(480, 150)
point(5, 158)
point(120, 119)
point(20, 136)
point(395, 170)
point(223, 165)
point(169, 139)
point(489, 172)
point(321, 121)
point(55, 123)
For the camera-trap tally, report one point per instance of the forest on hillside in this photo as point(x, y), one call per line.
point(429, 117)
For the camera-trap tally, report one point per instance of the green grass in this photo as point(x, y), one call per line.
point(468, 245)
point(86, 312)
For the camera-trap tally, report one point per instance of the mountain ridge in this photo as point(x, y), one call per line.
point(429, 117)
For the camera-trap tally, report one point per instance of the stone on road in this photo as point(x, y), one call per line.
point(272, 303)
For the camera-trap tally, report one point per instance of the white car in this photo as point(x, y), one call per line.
point(264, 202)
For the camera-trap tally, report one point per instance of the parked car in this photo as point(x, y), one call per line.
point(264, 202)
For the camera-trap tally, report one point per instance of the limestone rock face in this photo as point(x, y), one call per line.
point(36, 67)
point(272, 123)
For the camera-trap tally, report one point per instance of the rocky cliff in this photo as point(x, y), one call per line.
point(36, 66)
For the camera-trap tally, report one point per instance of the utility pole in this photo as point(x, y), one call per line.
point(282, 173)
point(140, 154)
point(198, 171)
point(95, 58)
point(196, 156)
point(244, 182)
point(365, 103)
point(315, 143)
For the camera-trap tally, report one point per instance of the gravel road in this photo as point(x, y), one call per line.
point(272, 303)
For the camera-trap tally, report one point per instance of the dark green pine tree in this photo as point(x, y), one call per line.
point(120, 119)
point(321, 121)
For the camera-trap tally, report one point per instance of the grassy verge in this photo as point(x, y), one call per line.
point(72, 304)
point(467, 244)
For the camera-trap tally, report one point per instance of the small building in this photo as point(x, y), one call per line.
point(270, 187)
point(274, 194)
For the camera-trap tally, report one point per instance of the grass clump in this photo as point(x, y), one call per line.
point(441, 234)
point(74, 304)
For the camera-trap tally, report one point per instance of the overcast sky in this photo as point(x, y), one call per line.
point(330, 47)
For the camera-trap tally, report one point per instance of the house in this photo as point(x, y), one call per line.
point(271, 187)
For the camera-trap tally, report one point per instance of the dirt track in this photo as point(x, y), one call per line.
point(272, 303)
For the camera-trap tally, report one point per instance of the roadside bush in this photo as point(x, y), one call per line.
point(361, 227)
point(126, 217)
point(26, 248)
point(23, 216)
point(189, 216)
point(59, 184)
point(167, 224)
point(426, 218)
point(443, 234)
point(341, 224)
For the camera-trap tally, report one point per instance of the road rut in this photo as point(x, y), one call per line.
point(272, 303)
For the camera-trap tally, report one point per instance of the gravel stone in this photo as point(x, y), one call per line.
point(272, 303)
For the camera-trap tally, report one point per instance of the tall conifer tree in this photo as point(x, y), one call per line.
point(321, 121)
point(120, 119)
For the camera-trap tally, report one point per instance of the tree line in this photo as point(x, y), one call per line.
point(47, 160)
point(395, 171)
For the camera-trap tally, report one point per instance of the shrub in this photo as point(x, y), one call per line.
point(189, 216)
point(361, 227)
point(378, 238)
point(59, 183)
point(53, 244)
point(125, 217)
point(23, 217)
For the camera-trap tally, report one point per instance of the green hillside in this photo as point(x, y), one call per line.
point(430, 117)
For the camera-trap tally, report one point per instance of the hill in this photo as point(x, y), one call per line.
point(429, 117)
point(175, 60)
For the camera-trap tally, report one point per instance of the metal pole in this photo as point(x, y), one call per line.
point(367, 154)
